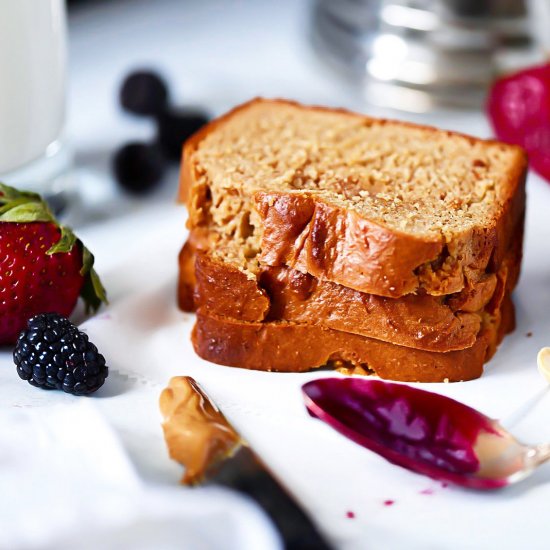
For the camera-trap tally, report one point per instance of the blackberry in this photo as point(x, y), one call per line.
point(51, 353)
point(143, 93)
point(139, 167)
point(175, 125)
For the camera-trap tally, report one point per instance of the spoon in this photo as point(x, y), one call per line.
point(426, 432)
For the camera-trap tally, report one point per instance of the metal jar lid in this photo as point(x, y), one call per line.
point(416, 54)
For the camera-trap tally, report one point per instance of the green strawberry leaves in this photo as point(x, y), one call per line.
point(93, 292)
point(25, 207)
point(22, 206)
point(65, 243)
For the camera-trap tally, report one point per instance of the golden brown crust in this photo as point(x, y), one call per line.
point(323, 265)
point(474, 297)
point(303, 231)
point(186, 280)
point(289, 347)
point(432, 323)
point(283, 294)
point(227, 291)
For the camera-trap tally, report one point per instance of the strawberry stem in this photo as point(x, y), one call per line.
point(25, 207)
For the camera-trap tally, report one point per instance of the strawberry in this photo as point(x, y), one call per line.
point(44, 268)
point(519, 110)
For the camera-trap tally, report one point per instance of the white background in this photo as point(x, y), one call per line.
point(216, 54)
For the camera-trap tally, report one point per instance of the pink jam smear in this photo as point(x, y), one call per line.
point(419, 430)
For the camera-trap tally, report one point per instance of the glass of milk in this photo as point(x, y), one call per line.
point(32, 95)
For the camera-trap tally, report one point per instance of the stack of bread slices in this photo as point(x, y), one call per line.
point(320, 237)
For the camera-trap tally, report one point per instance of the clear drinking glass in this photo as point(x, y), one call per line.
point(32, 95)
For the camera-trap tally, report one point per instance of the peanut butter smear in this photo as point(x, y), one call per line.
point(196, 432)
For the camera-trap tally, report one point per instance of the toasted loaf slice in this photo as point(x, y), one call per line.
point(220, 288)
point(382, 207)
point(291, 347)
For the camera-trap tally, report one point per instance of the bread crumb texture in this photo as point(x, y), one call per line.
point(421, 181)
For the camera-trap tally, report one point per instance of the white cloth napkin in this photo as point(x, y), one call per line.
point(87, 500)
point(343, 486)
point(66, 483)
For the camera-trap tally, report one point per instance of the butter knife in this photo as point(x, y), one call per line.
point(200, 438)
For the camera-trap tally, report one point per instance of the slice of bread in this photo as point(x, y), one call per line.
point(291, 347)
point(382, 207)
point(213, 282)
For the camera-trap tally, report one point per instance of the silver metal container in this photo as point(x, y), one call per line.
point(417, 54)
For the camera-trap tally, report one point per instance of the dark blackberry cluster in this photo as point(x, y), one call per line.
point(143, 93)
point(53, 354)
point(138, 166)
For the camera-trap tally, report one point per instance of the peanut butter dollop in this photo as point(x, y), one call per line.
point(196, 432)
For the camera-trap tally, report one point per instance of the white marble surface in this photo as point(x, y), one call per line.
point(250, 48)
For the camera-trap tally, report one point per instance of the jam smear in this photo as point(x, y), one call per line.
point(422, 431)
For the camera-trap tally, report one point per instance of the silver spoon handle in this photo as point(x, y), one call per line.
point(521, 412)
point(539, 454)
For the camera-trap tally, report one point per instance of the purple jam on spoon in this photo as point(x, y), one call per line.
point(419, 430)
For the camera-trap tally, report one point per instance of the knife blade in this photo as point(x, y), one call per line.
point(200, 437)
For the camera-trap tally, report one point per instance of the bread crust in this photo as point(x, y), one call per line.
point(305, 232)
point(425, 322)
point(291, 347)
point(330, 279)
point(332, 244)
point(186, 277)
